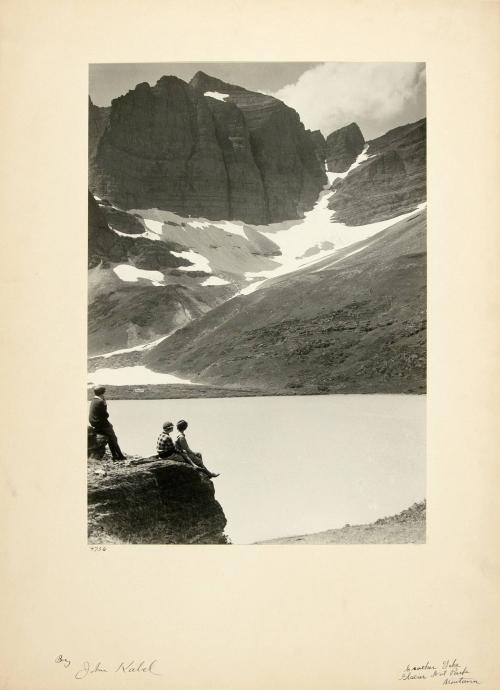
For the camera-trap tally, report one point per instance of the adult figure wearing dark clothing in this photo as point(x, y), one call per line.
point(99, 420)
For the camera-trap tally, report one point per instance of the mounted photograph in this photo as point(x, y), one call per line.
point(257, 303)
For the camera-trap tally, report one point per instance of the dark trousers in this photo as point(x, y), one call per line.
point(109, 432)
point(164, 454)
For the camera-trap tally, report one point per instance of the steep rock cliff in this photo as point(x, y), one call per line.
point(319, 143)
point(282, 149)
point(159, 149)
point(392, 181)
point(343, 147)
point(172, 147)
point(151, 501)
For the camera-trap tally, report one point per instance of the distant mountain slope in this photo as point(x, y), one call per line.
point(106, 246)
point(354, 322)
point(125, 313)
point(206, 149)
point(390, 182)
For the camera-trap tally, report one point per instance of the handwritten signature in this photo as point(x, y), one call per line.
point(87, 667)
point(451, 672)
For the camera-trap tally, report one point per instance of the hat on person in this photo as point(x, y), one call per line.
point(99, 390)
point(166, 425)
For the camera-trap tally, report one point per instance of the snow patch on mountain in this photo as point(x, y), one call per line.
point(128, 234)
point(260, 252)
point(230, 246)
point(198, 262)
point(217, 95)
point(131, 274)
point(363, 156)
point(131, 376)
point(136, 348)
point(214, 280)
point(251, 288)
point(317, 230)
point(153, 229)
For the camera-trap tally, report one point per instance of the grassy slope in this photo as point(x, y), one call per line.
point(358, 326)
point(408, 527)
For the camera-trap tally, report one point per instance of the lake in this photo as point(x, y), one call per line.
point(295, 465)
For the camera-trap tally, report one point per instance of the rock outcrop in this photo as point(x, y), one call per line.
point(392, 181)
point(244, 156)
point(106, 246)
point(151, 501)
point(96, 444)
point(343, 147)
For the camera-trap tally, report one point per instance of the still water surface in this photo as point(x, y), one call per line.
point(294, 465)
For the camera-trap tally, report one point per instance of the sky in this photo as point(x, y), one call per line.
point(327, 95)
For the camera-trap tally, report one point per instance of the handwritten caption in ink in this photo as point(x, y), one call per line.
point(449, 672)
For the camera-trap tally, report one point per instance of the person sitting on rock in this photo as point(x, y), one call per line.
point(183, 448)
point(165, 446)
point(99, 420)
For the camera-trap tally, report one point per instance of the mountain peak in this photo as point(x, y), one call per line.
point(343, 146)
point(204, 82)
point(169, 80)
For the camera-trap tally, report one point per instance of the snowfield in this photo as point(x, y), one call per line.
point(136, 348)
point(215, 245)
point(131, 274)
point(199, 262)
point(131, 376)
point(213, 280)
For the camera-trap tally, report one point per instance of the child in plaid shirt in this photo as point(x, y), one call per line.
point(164, 445)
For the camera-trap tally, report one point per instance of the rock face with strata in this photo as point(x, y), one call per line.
point(343, 147)
point(151, 501)
point(392, 181)
point(245, 157)
point(283, 150)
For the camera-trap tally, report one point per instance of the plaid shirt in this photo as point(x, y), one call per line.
point(164, 444)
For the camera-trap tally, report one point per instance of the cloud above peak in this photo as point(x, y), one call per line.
point(376, 95)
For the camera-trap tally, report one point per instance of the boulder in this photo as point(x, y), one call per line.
point(96, 444)
point(152, 501)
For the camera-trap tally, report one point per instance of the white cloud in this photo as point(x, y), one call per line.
point(376, 95)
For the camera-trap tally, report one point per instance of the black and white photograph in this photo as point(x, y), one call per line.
point(257, 303)
point(251, 280)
